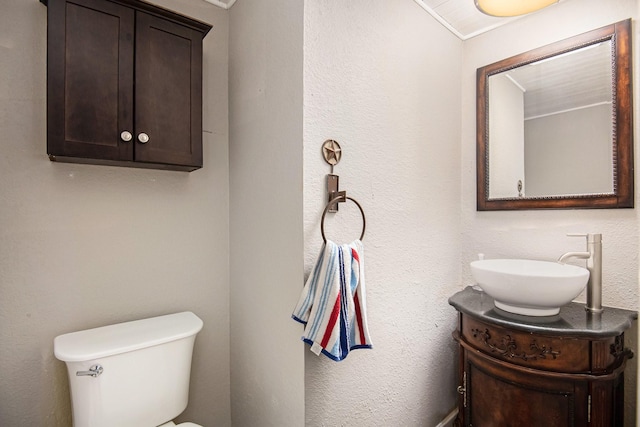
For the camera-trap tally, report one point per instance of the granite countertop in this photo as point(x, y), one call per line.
point(573, 319)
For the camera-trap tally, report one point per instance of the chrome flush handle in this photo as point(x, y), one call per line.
point(94, 371)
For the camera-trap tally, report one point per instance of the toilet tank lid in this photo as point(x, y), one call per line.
point(120, 338)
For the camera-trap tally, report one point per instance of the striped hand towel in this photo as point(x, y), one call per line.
point(332, 305)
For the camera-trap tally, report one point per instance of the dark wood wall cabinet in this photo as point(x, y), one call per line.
point(124, 84)
point(563, 370)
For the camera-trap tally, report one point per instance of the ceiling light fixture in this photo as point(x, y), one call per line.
point(504, 8)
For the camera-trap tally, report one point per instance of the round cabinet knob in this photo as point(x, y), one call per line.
point(126, 136)
point(143, 138)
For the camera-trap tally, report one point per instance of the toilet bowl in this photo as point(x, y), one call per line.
point(130, 374)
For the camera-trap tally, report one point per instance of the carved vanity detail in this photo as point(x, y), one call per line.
point(509, 347)
point(563, 370)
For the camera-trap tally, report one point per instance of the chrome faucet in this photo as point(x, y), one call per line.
point(593, 255)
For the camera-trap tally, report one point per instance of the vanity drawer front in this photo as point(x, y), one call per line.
point(559, 354)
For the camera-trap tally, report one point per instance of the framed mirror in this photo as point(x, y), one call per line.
point(555, 125)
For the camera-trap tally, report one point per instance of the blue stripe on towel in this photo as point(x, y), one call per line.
point(344, 326)
point(326, 288)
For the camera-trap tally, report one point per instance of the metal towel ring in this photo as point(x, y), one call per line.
point(342, 199)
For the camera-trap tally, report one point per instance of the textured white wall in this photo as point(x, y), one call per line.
point(382, 78)
point(265, 86)
point(83, 245)
point(542, 234)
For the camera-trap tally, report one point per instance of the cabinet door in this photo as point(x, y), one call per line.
point(500, 396)
point(90, 79)
point(168, 92)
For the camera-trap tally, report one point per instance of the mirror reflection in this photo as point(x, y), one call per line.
point(554, 125)
point(537, 149)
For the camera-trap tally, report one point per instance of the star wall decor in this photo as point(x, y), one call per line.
point(331, 151)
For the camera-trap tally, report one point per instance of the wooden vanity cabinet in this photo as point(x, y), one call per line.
point(124, 84)
point(514, 372)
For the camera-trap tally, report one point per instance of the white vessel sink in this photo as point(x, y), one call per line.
point(528, 287)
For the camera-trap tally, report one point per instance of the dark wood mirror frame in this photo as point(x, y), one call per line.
point(623, 191)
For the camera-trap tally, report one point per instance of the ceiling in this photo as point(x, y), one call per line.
point(577, 79)
point(462, 18)
point(459, 16)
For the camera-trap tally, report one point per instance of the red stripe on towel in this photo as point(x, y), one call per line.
point(332, 322)
point(359, 317)
point(355, 255)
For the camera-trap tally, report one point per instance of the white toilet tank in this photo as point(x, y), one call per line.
point(144, 367)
